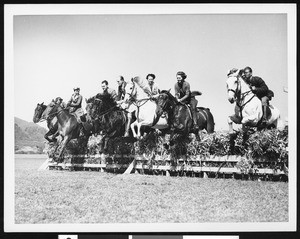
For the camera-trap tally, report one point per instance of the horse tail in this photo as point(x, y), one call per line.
point(210, 123)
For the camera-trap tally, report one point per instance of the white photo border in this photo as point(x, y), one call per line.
point(87, 9)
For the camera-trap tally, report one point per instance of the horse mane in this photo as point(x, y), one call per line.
point(91, 99)
point(106, 98)
point(171, 97)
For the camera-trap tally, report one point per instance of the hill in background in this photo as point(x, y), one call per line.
point(29, 137)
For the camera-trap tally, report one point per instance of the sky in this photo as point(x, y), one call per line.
point(54, 53)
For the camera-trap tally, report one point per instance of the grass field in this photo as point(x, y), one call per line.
point(94, 197)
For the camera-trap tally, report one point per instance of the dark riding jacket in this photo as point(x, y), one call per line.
point(182, 90)
point(112, 93)
point(261, 87)
point(121, 91)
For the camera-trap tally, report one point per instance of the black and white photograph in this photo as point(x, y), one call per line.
point(150, 118)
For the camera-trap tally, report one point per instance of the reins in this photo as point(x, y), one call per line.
point(244, 94)
point(240, 97)
point(105, 112)
point(49, 117)
point(53, 114)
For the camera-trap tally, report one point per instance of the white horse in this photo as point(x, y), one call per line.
point(248, 108)
point(143, 106)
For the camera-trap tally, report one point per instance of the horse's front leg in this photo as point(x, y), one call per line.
point(105, 144)
point(139, 125)
point(230, 125)
point(128, 124)
point(46, 136)
point(101, 145)
point(245, 134)
point(54, 136)
point(64, 144)
point(133, 129)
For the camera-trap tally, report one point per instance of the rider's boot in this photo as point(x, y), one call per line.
point(264, 118)
point(193, 104)
point(196, 127)
point(127, 128)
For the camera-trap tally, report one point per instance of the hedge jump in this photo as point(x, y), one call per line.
point(215, 166)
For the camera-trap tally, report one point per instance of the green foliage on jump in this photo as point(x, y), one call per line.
point(255, 146)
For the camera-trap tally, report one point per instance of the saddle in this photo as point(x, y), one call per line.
point(85, 128)
point(79, 115)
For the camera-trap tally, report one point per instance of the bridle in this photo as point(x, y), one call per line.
point(164, 104)
point(106, 111)
point(40, 111)
point(240, 96)
point(134, 101)
point(52, 115)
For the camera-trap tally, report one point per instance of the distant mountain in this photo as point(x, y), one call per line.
point(29, 137)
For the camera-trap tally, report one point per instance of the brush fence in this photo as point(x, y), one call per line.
point(230, 166)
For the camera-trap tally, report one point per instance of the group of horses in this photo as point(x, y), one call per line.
point(164, 113)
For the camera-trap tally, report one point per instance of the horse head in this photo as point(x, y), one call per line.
point(38, 112)
point(130, 91)
point(92, 107)
point(232, 84)
point(164, 101)
point(51, 111)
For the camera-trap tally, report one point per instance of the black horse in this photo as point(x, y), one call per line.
point(180, 117)
point(107, 118)
point(68, 127)
point(52, 123)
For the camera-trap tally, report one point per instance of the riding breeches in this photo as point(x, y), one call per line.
point(193, 104)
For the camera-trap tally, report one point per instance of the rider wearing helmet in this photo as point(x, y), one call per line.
point(183, 94)
point(75, 101)
point(260, 89)
point(59, 101)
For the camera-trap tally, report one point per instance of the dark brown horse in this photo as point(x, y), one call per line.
point(180, 118)
point(68, 126)
point(52, 124)
point(107, 117)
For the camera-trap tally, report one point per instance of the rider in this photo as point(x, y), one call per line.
point(151, 88)
point(183, 94)
point(59, 101)
point(121, 88)
point(260, 89)
point(107, 90)
point(75, 101)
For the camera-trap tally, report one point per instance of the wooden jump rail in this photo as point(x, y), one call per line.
point(194, 165)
